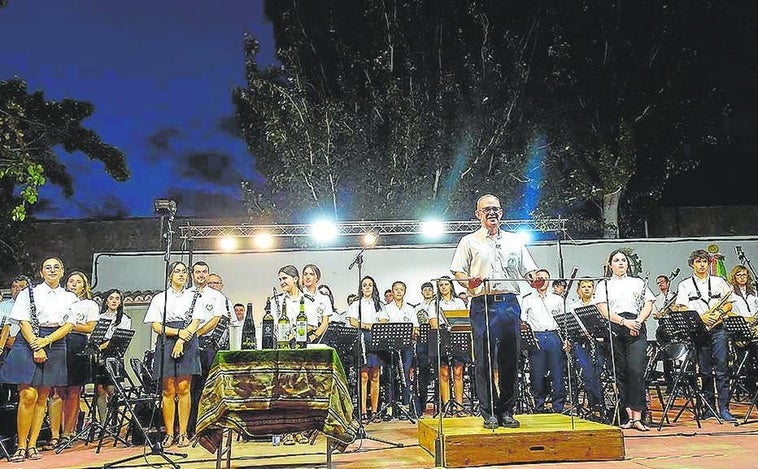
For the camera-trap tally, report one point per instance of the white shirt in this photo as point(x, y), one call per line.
point(369, 313)
point(402, 313)
point(539, 312)
point(209, 304)
point(5, 311)
point(699, 295)
point(624, 294)
point(85, 310)
point(176, 307)
point(502, 256)
point(53, 305)
point(745, 304)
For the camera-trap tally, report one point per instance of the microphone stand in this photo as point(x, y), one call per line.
point(361, 432)
point(156, 448)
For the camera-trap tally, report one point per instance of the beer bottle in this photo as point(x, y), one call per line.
point(268, 327)
point(248, 330)
point(283, 329)
point(301, 326)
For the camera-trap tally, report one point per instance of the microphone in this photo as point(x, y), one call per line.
point(740, 253)
point(676, 272)
point(356, 260)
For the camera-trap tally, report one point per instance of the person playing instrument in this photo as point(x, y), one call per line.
point(180, 359)
point(113, 309)
point(212, 304)
point(400, 311)
point(490, 253)
point(583, 348)
point(745, 298)
point(538, 309)
point(448, 300)
point(363, 313)
point(64, 405)
point(661, 308)
point(710, 296)
point(37, 361)
point(236, 319)
point(627, 302)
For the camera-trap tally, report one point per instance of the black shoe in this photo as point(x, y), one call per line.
point(490, 423)
point(707, 415)
point(508, 421)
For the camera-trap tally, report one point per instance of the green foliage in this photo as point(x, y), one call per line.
point(31, 129)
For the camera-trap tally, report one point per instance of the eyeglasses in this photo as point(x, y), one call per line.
point(743, 274)
point(50, 268)
point(487, 210)
point(215, 283)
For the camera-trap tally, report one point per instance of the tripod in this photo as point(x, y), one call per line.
point(167, 208)
point(391, 337)
point(361, 432)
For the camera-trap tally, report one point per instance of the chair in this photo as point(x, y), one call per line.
point(122, 407)
point(144, 375)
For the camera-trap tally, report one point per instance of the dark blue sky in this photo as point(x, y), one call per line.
point(159, 74)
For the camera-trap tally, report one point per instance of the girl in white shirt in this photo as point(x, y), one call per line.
point(113, 309)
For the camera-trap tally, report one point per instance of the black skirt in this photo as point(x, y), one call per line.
point(187, 364)
point(20, 368)
point(77, 364)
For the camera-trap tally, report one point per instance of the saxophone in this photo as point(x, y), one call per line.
point(715, 312)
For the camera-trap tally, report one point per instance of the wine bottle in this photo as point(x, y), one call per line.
point(301, 326)
point(248, 330)
point(283, 329)
point(268, 327)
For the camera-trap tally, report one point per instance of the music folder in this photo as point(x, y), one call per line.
point(459, 320)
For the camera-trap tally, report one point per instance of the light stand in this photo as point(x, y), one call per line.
point(167, 209)
point(361, 432)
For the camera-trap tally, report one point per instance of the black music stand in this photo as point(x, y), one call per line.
point(342, 339)
point(688, 326)
point(453, 345)
point(739, 331)
point(596, 324)
point(92, 351)
point(568, 323)
point(393, 338)
point(524, 400)
point(422, 368)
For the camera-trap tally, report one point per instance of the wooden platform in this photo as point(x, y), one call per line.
point(541, 438)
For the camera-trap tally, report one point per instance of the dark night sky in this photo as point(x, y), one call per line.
point(160, 75)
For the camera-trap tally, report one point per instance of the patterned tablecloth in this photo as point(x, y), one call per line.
point(261, 392)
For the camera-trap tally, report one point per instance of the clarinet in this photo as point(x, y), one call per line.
point(33, 319)
point(188, 314)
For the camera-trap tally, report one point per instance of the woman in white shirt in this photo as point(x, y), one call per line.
point(37, 361)
point(65, 403)
point(113, 309)
point(364, 313)
point(180, 359)
point(448, 300)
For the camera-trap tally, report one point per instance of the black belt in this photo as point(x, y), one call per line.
point(497, 298)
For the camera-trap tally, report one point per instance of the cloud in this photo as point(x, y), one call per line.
point(230, 126)
point(212, 166)
point(108, 206)
point(160, 142)
point(207, 203)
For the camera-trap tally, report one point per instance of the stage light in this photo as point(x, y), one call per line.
point(524, 236)
point(228, 243)
point(432, 229)
point(324, 231)
point(369, 240)
point(263, 240)
point(164, 206)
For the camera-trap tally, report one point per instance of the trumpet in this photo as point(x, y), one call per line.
point(715, 314)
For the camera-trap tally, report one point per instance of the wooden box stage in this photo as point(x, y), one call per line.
point(541, 438)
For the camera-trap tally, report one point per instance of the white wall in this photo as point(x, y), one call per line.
point(250, 276)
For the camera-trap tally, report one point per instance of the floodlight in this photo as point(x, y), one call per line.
point(228, 243)
point(263, 240)
point(369, 240)
point(324, 231)
point(432, 229)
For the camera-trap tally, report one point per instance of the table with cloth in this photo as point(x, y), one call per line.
point(267, 392)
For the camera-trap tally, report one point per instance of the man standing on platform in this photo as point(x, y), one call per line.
point(488, 263)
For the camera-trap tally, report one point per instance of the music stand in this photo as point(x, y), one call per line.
point(596, 324)
point(739, 331)
point(687, 324)
point(91, 350)
point(342, 339)
point(570, 327)
point(391, 337)
point(524, 400)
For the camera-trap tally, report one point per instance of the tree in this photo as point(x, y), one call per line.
point(31, 128)
point(383, 110)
